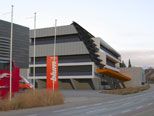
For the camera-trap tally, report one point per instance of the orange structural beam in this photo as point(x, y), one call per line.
point(113, 74)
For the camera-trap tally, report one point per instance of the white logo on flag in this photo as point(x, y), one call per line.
point(54, 72)
point(3, 75)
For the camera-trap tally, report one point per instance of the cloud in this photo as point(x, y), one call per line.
point(144, 58)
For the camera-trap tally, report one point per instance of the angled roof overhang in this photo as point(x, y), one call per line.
point(113, 74)
point(86, 37)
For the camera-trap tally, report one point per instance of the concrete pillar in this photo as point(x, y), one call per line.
point(123, 85)
point(96, 83)
point(73, 83)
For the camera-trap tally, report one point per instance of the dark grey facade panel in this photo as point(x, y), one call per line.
point(4, 58)
point(47, 32)
point(110, 62)
point(5, 29)
point(71, 48)
point(59, 39)
point(75, 70)
point(20, 43)
point(64, 59)
point(65, 70)
point(86, 37)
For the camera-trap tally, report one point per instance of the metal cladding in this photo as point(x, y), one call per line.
point(86, 37)
point(79, 52)
point(20, 44)
point(71, 48)
point(85, 46)
point(48, 32)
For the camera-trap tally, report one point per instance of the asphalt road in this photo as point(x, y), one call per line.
point(92, 103)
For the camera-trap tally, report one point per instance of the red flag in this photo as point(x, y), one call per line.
point(52, 73)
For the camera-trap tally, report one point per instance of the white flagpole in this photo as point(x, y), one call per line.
point(34, 77)
point(54, 52)
point(11, 38)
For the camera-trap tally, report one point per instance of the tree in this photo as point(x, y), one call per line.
point(129, 63)
point(122, 64)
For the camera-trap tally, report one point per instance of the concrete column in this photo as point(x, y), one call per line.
point(73, 84)
point(123, 85)
point(96, 82)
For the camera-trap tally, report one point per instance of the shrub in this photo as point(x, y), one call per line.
point(32, 98)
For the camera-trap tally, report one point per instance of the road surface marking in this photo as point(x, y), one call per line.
point(91, 105)
point(139, 107)
point(127, 103)
point(125, 111)
point(111, 102)
point(144, 99)
point(97, 110)
point(73, 108)
point(63, 110)
point(97, 104)
point(32, 115)
point(80, 107)
point(149, 104)
point(143, 112)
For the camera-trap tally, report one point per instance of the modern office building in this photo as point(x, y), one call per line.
point(85, 61)
point(20, 45)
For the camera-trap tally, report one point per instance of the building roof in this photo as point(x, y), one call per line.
point(50, 31)
point(106, 45)
point(6, 22)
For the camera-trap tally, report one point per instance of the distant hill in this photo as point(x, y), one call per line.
point(149, 74)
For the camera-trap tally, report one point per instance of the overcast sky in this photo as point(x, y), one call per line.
point(126, 25)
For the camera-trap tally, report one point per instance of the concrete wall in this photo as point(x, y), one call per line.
point(136, 74)
point(84, 84)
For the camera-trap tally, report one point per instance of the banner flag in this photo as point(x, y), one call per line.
point(52, 73)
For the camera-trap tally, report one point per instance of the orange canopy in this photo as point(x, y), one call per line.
point(113, 74)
